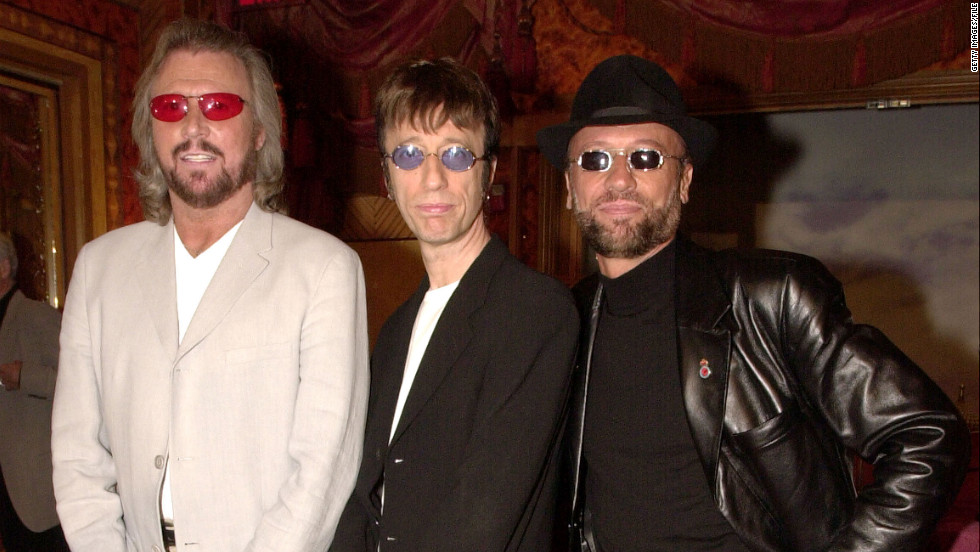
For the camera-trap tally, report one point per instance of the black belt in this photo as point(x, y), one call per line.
point(169, 539)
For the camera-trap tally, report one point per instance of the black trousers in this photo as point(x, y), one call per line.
point(17, 538)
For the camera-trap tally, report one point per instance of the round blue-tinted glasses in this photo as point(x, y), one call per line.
point(455, 158)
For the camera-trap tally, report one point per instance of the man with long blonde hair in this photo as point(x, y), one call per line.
point(213, 374)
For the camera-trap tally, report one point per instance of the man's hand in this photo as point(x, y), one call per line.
point(10, 375)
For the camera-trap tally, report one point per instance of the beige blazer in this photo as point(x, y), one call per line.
point(30, 335)
point(260, 409)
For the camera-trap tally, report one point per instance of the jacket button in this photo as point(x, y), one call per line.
point(159, 462)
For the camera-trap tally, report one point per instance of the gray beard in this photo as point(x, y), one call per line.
point(625, 240)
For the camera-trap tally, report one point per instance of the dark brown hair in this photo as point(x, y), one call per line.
point(426, 94)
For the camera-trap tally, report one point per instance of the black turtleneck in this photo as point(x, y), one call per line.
point(645, 487)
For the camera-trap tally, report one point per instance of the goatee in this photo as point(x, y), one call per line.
point(217, 190)
point(622, 239)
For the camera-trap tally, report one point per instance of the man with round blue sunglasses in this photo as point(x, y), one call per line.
point(455, 158)
point(469, 376)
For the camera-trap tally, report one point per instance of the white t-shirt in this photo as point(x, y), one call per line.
point(193, 275)
point(431, 309)
point(433, 304)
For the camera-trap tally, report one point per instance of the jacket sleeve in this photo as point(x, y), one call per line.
point(880, 405)
point(39, 344)
point(326, 440)
point(352, 530)
point(506, 463)
point(84, 473)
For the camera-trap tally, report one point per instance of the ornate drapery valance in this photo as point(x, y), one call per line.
point(756, 46)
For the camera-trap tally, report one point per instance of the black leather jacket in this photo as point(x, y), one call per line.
point(779, 385)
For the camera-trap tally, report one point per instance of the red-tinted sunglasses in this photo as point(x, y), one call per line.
point(216, 106)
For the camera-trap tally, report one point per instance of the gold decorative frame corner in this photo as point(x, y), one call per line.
point(84, 177)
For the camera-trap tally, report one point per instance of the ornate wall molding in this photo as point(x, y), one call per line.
point(107, 32)
point(85, 70)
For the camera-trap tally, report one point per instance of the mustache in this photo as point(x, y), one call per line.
point(625, 195)
point(204, 146)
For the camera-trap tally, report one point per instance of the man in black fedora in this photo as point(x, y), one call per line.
point(725, 391)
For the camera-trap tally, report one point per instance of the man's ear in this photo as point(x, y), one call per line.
point(4, 269)
point(493, 172)
point(687, 175)
point(259, 139)
point(387, 178)
point(487, 178)
point(568, 189)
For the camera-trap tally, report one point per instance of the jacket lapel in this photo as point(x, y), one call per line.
point(589, 310)
point(704, 348)
point(156, 280)
point(238, 269)
point(389, 371)
point(453, 331)
point(13, 311)
point(10, 320)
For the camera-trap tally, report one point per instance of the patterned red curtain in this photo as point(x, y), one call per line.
point(804, 17)
point(359, 35)
point(753, 46)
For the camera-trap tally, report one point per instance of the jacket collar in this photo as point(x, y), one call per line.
point(245, 259)
point(701, 300)
point(156, 280)
point(242, 263)
point(454, 330)
point(14, 305)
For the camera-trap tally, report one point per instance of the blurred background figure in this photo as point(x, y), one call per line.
point(28, 369)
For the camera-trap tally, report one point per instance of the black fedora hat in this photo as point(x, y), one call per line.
point(625, 90)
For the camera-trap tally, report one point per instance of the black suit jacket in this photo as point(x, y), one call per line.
point(471, 466)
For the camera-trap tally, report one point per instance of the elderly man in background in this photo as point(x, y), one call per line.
point(213, 379)
point(719, 395)
point(28, 368)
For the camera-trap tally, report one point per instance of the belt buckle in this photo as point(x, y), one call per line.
point(169, 537)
